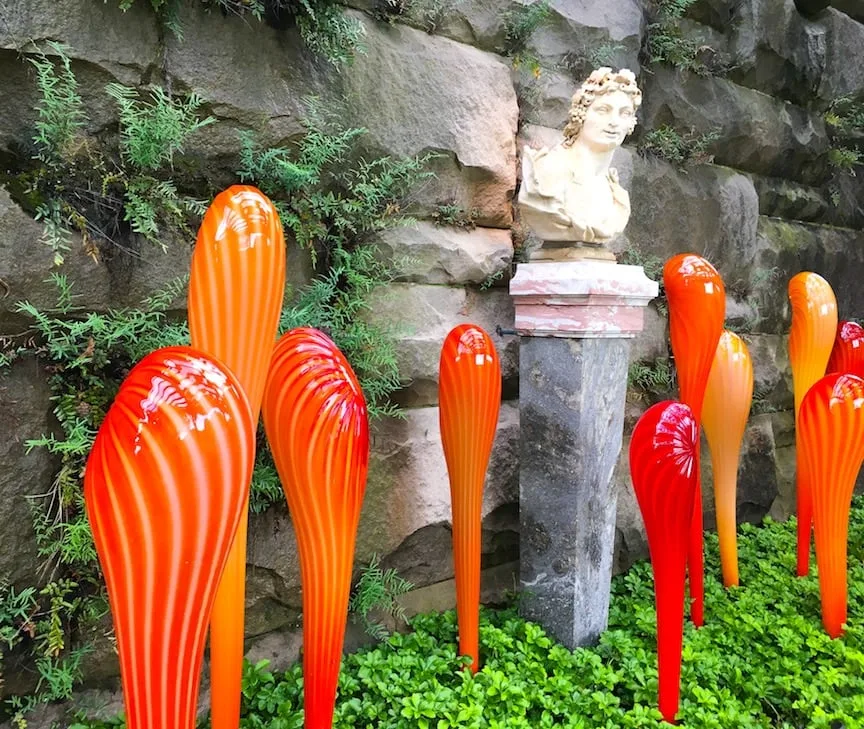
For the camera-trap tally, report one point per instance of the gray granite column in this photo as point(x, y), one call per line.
point(576, 320)
point(571, 405)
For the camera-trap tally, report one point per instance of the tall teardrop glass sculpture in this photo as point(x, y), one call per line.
point(697, 308)
point(728, 396)
point(811, 338)
point(317, 426)
point(831, 421)
point(847, 355)
point(235, 295)
point(469, 397)
point(164, 490)
point(663, 468)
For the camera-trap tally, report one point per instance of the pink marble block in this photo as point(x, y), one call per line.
point(581, 299)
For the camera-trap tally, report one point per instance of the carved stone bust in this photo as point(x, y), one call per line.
point(569, 193)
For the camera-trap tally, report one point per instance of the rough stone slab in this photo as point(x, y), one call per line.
point(420, 109)
point(780, 198)
point(405, 518)
point(408, 487)
point(772, 386)
point(758, 133)
point(545, 100)
point(25, 411)
point(571, 401)
point(576, 28)
point(786, 248)
point(26, 262)
point(709, 210)
point(853, 8)
point(448, 255)
point(425, 315)
point(251, 76)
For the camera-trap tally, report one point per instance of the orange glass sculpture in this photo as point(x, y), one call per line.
point(663, 469)
point(728, 396)
point(469, 396)
point(847, 356)
point(697, 308)
point(235, 296)
point(811, 338)
point(316, 423)
point(831, 421)
point(164, 490)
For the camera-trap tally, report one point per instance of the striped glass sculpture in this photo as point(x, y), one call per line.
point(728, 397)
point(469, 396)
point(811, 338)
point(847, 356)
point(831, 421)
point(697, 309)
point(235, 296)
point(663, 468)
point(164, 489)
point(318, 429)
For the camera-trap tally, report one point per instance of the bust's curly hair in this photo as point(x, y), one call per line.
point(601, 81)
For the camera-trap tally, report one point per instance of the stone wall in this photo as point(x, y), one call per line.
point(767, 207)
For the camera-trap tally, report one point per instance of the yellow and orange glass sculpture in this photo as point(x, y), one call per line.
point(663, 468)
point(728, 396)
point(811, 338)
point(235, 296)
point(697, 308)
point(831, 422)
point(164, 489)
point(318, 429)
point(847, 356)
point(469, 396)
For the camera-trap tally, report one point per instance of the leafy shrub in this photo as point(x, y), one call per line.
point(761, 660)
point(665, 43)
point(91, 189)
point(377, 589)
point(680, 149)
point(520, 22)
point(655, 378)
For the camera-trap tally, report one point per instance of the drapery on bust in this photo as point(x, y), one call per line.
point(569, 192)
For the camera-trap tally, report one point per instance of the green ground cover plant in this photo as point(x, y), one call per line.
point(761, 660)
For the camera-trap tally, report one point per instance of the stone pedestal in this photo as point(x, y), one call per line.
point(576, 320)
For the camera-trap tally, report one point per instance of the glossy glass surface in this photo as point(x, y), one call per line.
point(235, 296)
point(728, 396)
point(697, 309)
point(811, 338)
point(469, 396)
point(831, 421)
point(318, 429)
point(164, 489)
point(663, 467)
point(847, 355)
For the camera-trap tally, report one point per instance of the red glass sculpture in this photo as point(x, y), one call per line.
point(697, 308)
point(814, 324)
point(469, 396)
point(663, 468)
point(728, 396)
point(235, 296)
point(847, 356)
point(164, 489)
point(831, 421)
point(316, 423)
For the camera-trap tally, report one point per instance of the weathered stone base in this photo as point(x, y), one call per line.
point(571, 401)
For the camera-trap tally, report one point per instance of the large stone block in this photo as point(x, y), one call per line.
point(425, 315)
point(26, 263)
point(447, 255)
point(405, 518)
point(780, 198)
point(716, 210)
point(786, 248)
point(420, 109)
point(25, 411)
point(757, 133)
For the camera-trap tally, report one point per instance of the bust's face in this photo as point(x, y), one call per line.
point(607, 121)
